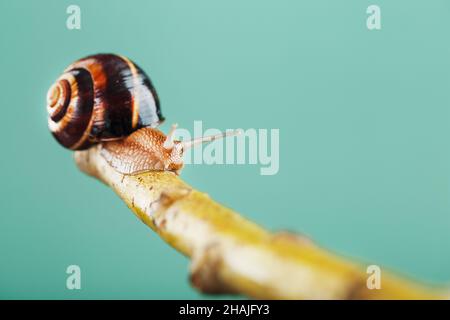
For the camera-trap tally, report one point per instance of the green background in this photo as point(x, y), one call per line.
point(363, 118)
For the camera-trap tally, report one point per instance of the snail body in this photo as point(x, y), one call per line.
point(149, 149)
point(143, 150)
point(108, 101)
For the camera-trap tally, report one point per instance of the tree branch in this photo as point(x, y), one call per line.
point(233, 255)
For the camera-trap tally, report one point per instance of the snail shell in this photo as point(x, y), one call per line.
point(100, 98)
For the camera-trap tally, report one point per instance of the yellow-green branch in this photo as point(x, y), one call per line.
point(233, 255)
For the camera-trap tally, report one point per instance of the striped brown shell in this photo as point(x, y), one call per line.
point(101, 97)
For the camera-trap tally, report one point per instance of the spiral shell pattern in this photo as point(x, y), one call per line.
point(100, 98)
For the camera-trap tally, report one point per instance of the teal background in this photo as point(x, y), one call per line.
point(363, 118)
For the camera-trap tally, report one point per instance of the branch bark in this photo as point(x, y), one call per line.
point(233, 255)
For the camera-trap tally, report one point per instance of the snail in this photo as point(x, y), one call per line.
point(107, 101)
